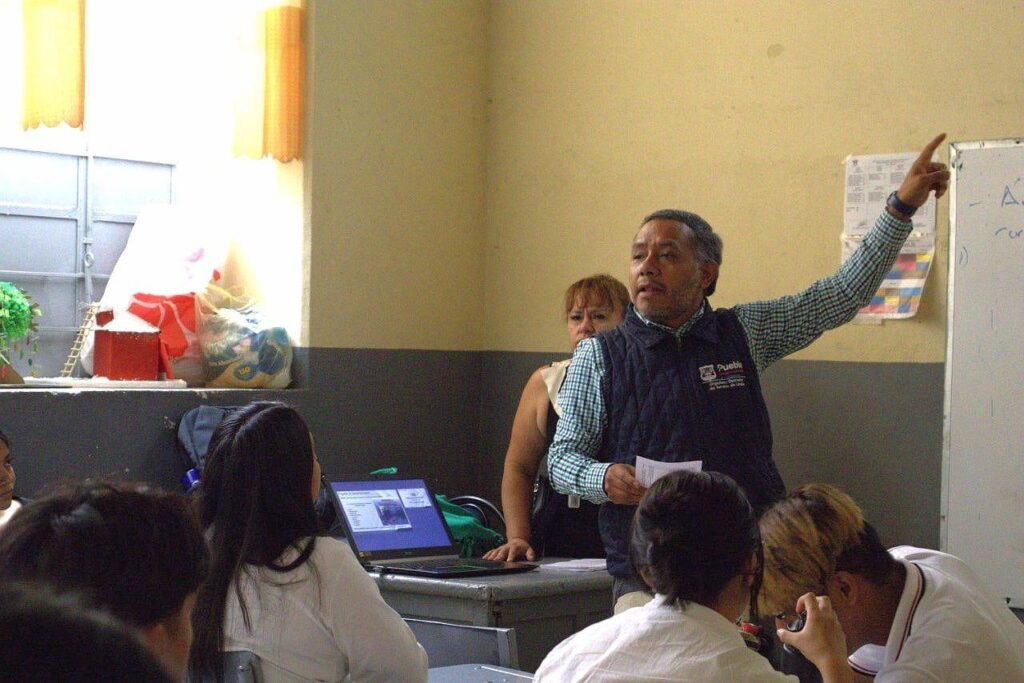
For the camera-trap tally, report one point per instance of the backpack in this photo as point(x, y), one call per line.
point(194, 432)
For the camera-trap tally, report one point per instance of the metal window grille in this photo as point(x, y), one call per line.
point(65, 218)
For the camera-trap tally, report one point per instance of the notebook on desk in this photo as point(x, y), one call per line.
point(394, 525)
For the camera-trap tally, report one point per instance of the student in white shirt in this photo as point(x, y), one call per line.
point(695, 542)
point(909, 614)
point(301, 603)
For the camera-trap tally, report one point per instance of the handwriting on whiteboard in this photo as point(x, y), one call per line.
point(1011, 234)
point(1010, 199)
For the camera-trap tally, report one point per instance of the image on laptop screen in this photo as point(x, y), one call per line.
point(391, 515)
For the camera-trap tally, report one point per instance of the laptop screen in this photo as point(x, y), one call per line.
point(392, 518)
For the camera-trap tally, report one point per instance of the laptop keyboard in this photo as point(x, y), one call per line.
point(447, 564)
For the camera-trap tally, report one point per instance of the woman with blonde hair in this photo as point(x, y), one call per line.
point(592, 305)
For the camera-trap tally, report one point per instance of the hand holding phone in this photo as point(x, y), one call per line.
point(817, 634)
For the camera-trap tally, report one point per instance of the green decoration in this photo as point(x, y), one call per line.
point(17, 321)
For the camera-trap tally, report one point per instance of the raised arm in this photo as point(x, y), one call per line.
point(778, 327)
point(525, 450)
point(924, 177)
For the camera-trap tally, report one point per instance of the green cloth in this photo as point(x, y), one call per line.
point(473, 538)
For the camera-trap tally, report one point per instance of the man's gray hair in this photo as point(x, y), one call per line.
point(706, 244)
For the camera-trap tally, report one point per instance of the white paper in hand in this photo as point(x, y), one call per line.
point(648, 471)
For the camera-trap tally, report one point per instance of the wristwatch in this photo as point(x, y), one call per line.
point(897, 204)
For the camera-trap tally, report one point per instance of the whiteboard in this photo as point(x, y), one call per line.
point(983, 440)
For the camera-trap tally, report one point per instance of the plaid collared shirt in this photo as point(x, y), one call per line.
point(774, 329)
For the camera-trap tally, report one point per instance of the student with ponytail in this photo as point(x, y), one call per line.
point(300, 602)
point(695, 543)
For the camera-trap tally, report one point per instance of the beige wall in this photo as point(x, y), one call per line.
point(467, 160)
point(741, 111)
point(396, 173)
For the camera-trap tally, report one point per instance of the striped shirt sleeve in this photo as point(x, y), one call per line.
point(779, 327)
point(571, 459)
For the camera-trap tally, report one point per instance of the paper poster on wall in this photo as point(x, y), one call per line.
point(900, 293)
point(870, 179)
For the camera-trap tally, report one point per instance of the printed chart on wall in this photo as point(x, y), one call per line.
point(869, 180)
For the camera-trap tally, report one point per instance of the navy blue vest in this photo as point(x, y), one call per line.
point(698, 398)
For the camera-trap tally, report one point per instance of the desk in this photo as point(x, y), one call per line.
point(544, 606)
point(476, 673)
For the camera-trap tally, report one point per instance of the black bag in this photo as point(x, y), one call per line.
point(194, 432)
point(557, 530)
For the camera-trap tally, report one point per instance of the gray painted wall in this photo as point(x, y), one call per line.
point(874, 429)
point(366, 408)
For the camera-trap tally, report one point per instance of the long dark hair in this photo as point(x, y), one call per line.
point(131, 550)
point(49, 637)
point(692, 533)
point(256, 503)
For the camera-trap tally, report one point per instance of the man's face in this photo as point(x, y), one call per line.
point(665, 277)
point(852, 616)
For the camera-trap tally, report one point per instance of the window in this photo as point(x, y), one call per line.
point(64, 220)
point(162, 112)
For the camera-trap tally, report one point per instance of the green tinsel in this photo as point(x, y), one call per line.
point(17, 316)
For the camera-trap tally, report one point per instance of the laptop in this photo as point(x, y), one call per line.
point(395, 526)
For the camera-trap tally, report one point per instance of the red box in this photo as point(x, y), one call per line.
point(127, 355)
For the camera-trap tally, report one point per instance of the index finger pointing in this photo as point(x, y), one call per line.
point(929, 149)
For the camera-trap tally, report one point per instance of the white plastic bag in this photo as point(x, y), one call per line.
point(172, 250)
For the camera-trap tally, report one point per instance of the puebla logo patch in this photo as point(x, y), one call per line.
point(723, 375)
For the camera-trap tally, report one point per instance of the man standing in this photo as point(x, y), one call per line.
point(678, 380)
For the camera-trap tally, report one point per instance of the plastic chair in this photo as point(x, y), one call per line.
point(450, 644)
point(240, 666)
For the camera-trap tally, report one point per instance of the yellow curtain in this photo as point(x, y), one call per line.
point(54, 85)
point(268, 115)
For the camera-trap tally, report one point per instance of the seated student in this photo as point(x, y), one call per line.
point(134, 552)
point(592, 305)
point(45, 637)
point(8, 503)
point(302, 603)
point(695, 543)
point(909, 614)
